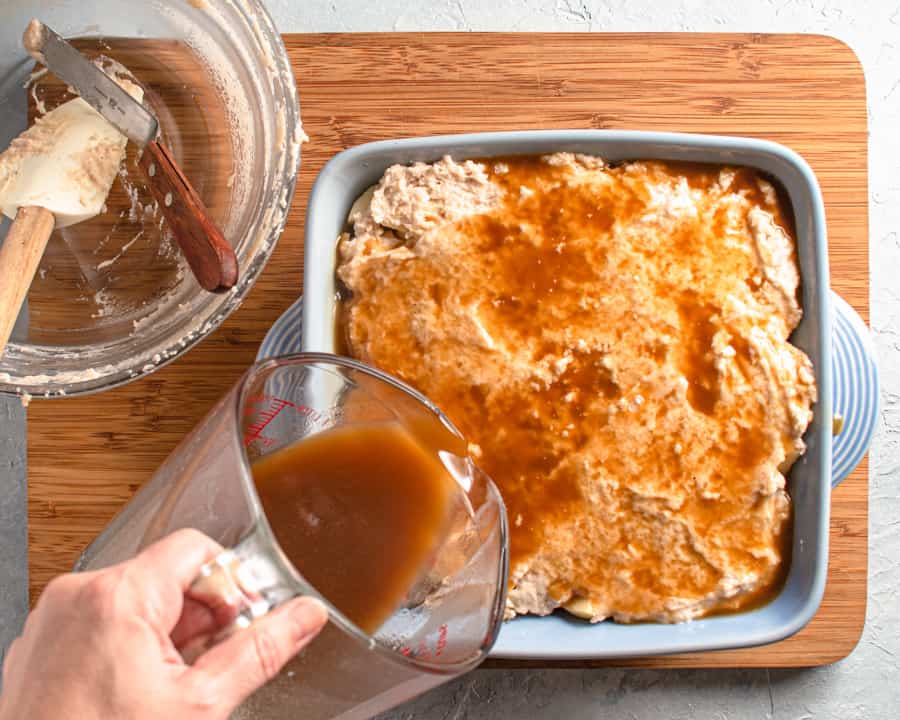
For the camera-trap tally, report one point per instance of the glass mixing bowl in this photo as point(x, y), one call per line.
point(113, 298)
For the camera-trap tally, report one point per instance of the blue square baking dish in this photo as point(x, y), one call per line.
point(559, 636)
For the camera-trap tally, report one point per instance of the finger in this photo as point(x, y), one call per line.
point(196, 619)
point(250, 658)
point(160, 574)
point(8, 661)
point(179, 556)
point(199, 619)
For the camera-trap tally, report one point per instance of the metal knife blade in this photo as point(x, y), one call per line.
point(99, 90)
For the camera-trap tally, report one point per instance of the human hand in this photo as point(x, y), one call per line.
point(107, 644)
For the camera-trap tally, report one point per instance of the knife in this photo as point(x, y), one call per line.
point(209, 255)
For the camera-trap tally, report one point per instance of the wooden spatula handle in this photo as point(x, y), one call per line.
point(20, 256)
point(208, 253)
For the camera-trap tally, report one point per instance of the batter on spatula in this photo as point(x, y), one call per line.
point(57, 173)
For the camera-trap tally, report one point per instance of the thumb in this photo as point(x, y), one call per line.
point(248, 659)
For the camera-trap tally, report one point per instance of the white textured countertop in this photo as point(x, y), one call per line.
point(865, 686)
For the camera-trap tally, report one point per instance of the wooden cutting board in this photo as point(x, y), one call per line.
point(88, 456)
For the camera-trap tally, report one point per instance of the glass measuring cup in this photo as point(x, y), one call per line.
point(452, 612)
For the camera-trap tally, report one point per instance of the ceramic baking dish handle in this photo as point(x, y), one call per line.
point(855, 400)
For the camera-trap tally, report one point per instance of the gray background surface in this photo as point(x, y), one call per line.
point(865, 686)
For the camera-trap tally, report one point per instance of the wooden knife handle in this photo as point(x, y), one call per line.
point(209, 255)
point(20, 256)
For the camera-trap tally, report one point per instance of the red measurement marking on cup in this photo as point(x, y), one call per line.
point(254, 431)
point(273, 406)
point(423, 651)
point(442, 640)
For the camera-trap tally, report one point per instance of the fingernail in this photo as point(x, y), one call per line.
point(309, 614)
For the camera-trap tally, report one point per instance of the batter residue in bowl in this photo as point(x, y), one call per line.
point(614, 343)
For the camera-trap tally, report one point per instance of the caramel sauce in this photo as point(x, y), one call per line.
point(552, 237)
point(358, 511)
point(524, 454)
point(699, 367)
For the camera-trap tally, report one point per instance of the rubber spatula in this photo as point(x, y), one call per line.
point(208, 254)
point(55, 174)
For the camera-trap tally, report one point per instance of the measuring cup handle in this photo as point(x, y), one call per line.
point(223, 582)
point(247, 581)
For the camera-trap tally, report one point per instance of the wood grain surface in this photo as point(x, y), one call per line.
point(87, 456)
